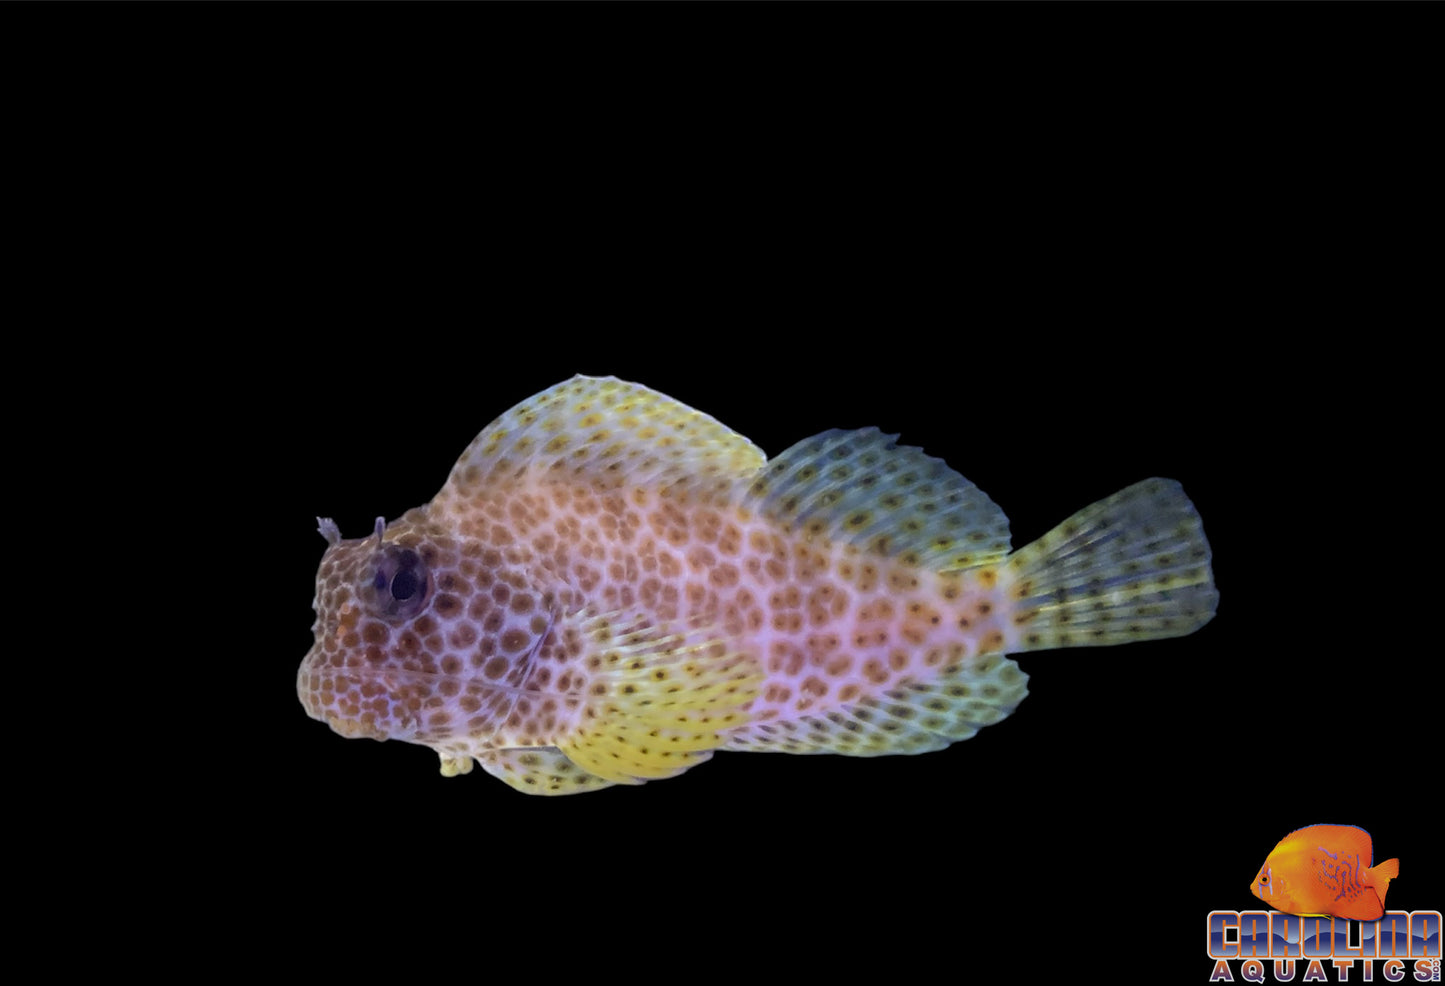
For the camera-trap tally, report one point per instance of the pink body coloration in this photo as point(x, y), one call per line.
point(612, 585)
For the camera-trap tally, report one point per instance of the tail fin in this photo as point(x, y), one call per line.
point(1380, 876)
point(1134, 566)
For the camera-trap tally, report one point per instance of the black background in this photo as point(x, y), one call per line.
point(1058, 302)
point(1136, 789)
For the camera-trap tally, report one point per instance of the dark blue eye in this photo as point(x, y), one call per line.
point(404, 586)
point(398, 587)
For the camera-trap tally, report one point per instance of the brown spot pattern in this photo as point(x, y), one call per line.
point(598, 498)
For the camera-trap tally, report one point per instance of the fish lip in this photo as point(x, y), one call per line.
point(404, 730)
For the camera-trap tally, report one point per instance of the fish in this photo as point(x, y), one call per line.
point(612, 586)
point(1325, 871)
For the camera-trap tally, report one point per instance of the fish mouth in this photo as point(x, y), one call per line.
point(354, 702)
point(352, 728)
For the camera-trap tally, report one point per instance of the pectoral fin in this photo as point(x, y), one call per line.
point(659, 698)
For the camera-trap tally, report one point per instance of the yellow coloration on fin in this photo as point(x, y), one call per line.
point(659, 699)
point(851, 597)
point(452, 766)
point(540, 770)
point(896, 502)
point(1379, 877)
point(609, 433)
point(1134, 566)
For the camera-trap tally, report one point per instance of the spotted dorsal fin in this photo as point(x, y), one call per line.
point(896, 502)
point(609, 434)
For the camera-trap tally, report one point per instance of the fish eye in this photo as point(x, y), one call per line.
point(397, 588)
point(404, 585)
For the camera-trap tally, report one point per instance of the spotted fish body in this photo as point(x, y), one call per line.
point(1326, 871)
point(611, 586)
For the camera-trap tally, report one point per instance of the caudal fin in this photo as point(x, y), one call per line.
point(1380, 876)
point(1134, 566)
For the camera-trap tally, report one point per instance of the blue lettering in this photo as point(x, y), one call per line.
point(1393, 937)
point(1425, 929)
point(1286, 930)
point(1342, 943)
point(1220, 946)
point(1254, 934)
point(1317, 936)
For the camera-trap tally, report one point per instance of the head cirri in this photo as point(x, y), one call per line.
point(611, 585)
point(421, 637)
point(377, 657)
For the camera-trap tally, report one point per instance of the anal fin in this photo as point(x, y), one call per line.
point(914, 717)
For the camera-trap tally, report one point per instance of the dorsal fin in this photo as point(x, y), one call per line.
point(894, 501)
point(608, 433)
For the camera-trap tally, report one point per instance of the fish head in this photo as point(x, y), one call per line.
point(1274, 883)
point(428, 636)
point(378, 661)
point(1264, 884)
